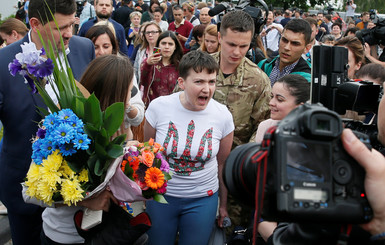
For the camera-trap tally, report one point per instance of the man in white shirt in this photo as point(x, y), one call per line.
point(271, 34)
point(350, 9)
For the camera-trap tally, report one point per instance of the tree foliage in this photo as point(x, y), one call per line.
point(301, 4)
point(366, 5)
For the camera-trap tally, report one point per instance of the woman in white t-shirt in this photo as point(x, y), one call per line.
point(197, 134)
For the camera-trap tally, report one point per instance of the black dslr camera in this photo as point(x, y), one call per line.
point(310, 177)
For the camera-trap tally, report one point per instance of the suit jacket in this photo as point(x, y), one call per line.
point(19, 116)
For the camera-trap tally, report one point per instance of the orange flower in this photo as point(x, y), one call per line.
point(151, 142)
point(156, 148)
point(154, 178)
point(123, 166)
point(134, 162)
point(148, 158)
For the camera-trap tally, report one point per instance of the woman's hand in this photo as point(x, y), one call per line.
point(154, 58)
point(100, 202)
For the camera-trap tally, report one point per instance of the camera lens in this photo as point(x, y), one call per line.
point(240, 173)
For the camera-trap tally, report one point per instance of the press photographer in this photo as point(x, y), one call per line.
point(371, 39)
point(350, 8)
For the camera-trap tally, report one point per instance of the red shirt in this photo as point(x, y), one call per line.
point(184, 29)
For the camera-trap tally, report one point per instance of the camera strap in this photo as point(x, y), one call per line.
point(260, 158)
point(344, 234)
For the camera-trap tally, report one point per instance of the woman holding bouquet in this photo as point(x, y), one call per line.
point(197, 134)
point(110, 77)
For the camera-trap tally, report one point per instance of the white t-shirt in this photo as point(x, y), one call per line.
point(191, 140)
point(271, 40)
point(350, 9)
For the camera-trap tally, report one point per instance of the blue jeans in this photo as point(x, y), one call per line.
point(193, 218)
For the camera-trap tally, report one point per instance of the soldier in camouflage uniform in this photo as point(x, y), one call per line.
point(241, 85)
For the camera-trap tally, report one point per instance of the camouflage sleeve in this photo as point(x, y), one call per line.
point(261, 109)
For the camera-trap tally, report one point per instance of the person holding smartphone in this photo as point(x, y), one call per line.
point(159, 72)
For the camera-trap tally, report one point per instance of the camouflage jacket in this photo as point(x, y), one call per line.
point(246, 93)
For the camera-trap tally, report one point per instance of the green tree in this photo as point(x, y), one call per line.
point(302, 4)
point(366, 5)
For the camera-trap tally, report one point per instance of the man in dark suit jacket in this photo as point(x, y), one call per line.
point(103, 10)
point(18, 111)
point(122, 14)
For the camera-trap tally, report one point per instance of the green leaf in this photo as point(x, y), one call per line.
point(91, 131)
point(102, 139)
point(78, 106)
point(92, 111)
point(113, 117)
point(160, 198)
point(119, 140)
point(98, 168)
point(167, 176)
point(100, 151)
point(91, 161)
point(114, 151)
point(42, 111)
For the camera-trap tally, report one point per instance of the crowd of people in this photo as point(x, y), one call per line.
point(198, 88)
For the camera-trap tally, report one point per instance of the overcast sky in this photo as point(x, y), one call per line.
point(6, 8)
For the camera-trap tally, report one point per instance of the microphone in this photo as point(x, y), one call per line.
point(218, 8)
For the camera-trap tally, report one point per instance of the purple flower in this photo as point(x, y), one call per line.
point(14, 67)
point(42, 51)
point(164, 166)
point(29, 55)
point(45, 69)
point(158, 155)
point(41, 133)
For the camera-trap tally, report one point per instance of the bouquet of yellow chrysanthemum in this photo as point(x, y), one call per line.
point(54, 179)
point(74, 145)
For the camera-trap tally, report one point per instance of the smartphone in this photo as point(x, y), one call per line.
point(156, 50)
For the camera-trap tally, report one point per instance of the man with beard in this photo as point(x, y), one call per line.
point(103, 9)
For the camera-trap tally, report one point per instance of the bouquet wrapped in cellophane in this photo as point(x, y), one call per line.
point(142, 173)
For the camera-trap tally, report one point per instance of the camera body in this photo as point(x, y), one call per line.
point(313, 178)
point(309, 178)
point(349, 2)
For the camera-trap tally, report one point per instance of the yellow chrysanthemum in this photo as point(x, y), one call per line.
point(32, 188)
point(71, 191)
point(67, 171)
point(53, 162)
point(83, 175)
point(33, 172)
point(51, 179)
point(45, 192)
